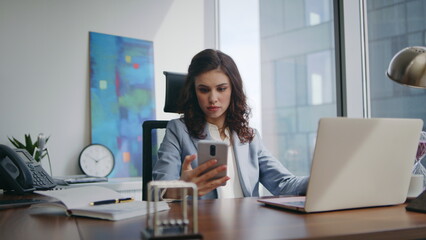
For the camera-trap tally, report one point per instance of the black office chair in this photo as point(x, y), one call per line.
point(174, 85)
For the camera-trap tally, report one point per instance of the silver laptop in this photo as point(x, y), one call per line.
point(358, 163)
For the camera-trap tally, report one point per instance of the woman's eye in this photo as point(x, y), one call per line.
point(203, 90)
point(221, 89)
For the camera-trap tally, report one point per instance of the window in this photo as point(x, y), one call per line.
point(298, 67)
point(392, 26)
point(297, 70)
point(298, 77)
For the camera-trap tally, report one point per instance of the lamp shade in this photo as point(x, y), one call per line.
point(408, 67)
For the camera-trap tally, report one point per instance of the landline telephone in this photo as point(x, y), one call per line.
point(20, 173)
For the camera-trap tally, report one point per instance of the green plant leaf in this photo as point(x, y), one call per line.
point(29, 145)
point(13, 141)
point(16, 143)
point(28, 141)
point(37, 156)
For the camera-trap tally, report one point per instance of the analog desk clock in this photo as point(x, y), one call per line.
point(96, 160)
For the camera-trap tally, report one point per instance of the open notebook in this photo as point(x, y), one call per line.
point(76, 201)
point(358, 163)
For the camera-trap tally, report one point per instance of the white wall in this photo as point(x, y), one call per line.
point(44, 67)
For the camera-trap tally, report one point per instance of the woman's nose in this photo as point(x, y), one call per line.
point(213, 97)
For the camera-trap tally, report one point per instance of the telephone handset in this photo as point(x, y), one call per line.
point(20, 173)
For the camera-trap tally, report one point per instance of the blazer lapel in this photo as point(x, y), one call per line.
point(241, 153)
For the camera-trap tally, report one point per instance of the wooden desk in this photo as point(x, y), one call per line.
point(226, 219)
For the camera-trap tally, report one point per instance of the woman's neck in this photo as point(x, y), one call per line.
point(221, 127)
point(220, 124)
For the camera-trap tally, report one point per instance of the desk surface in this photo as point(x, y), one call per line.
point(243, 218)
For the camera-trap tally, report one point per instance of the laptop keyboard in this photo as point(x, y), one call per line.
point(296, 203)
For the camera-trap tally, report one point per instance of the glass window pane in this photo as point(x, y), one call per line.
point(392, 26)
point(317, 11)
point(298, 77)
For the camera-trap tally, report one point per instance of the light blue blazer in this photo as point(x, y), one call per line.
point(254, 163)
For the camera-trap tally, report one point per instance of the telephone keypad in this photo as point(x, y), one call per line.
point(40, 179)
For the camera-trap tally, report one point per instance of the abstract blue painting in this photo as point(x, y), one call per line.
point(122, 97)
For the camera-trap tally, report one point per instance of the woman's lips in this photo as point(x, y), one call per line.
point(213, 108)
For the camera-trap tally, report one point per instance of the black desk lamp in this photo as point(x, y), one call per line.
point(408, 67)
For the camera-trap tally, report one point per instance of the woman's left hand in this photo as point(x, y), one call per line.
point(204, 181)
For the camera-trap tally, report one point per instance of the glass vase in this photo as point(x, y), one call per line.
point(419, 168)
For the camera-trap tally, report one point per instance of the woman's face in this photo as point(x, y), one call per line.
point(213, 89)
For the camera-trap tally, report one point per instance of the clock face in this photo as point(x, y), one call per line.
point(96, 160)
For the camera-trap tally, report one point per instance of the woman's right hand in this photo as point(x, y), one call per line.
point(204, 182)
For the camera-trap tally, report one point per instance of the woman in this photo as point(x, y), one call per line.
point(214, 107)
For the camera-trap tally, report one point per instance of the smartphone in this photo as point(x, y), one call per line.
point(213, 149)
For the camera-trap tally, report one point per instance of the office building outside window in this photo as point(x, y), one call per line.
point(298, 68)
point(392, 26)
point(298, 77)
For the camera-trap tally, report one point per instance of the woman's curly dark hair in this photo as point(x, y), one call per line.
point(238, 112)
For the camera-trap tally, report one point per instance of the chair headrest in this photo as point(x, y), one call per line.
point(174, 85)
